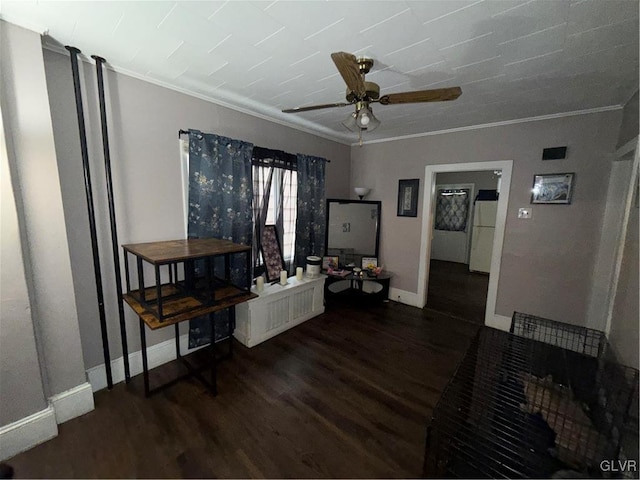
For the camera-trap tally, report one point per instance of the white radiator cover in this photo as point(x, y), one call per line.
point(278, 308)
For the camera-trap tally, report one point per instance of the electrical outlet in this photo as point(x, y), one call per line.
point(524, 213)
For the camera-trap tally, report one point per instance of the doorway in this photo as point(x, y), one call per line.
point(459, 274)
point(428, 218)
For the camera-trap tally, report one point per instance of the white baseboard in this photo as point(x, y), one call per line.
point(500, 322)
point(72, 403)
point(27, 432)
point(157, 355)
point(35, 429)
point(402, 296)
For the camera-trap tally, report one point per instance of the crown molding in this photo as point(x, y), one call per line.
point(326, 133)
point(551, 116)
point(123, 71)
point(39, 29)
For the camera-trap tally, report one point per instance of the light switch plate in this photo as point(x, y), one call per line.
point(524, 213)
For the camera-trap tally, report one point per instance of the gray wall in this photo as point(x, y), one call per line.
point(45, 255)
point(144, 120)
point(482, 180)
point(20, 379)
point(546, 261)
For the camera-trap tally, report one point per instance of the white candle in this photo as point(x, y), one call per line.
point(283, 277)
point(299, 272)
point(260, 283)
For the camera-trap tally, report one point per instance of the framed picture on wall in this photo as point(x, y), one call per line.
point(408, 198)
point(555, 188)
point(271, 253)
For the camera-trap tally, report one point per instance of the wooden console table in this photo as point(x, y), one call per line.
point(186, 286)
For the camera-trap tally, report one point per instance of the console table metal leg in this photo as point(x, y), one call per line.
point(178, 355)
point(141, 280)
point(145, 364)
point(232, 327)
point(214, 363)
point(227, 266)
point(249, 274)
point(159, 292)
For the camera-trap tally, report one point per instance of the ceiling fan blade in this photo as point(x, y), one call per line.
point(314, 107)
point(347, 65)
point(435, 95)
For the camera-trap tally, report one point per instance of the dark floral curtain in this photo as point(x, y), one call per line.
point(311, 219)
point(452, 210)
point(220, 206)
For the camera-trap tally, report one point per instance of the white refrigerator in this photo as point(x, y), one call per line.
point(484, 225)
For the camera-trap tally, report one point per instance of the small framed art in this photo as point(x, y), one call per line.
point(555, 188)
point(408, 197)
point(369, 263)
point(330, 263)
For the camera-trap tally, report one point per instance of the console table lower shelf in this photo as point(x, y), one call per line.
point(279, 308)
point(227, 298)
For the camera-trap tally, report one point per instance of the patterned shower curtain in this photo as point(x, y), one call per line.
point(220, 206)
point(311, 221)
point(452, 210)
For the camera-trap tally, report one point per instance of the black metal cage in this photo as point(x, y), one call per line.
point(544, 398)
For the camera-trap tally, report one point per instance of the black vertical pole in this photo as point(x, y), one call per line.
point(92, 219)
point(112, 215)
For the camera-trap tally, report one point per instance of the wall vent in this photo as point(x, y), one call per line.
point(555, 153)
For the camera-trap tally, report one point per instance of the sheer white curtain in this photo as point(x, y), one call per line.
point(274, 202)
point(184, 172)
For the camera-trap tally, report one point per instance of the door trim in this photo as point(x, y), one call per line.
point(506, 166)
point(632, 146)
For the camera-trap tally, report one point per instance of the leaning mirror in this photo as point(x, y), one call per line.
point(353, 230)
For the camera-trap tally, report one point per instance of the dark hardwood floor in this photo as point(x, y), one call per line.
point(455, 291)
point(347, 394)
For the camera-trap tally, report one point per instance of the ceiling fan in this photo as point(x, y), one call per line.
point(362, 94)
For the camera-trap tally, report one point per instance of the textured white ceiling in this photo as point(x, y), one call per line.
point(513, 59)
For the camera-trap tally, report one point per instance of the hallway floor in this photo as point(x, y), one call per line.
point(455, 291)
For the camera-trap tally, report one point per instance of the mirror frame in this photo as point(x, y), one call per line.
point(377, 203)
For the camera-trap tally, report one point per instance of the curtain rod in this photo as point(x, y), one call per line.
point(185, 132)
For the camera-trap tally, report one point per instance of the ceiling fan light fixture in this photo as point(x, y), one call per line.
point(366, 120)
point(363, 119)
point(350, 123)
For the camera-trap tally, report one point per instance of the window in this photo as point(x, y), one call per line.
point(275, 186)
point(282, 206)
point(272, 169)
